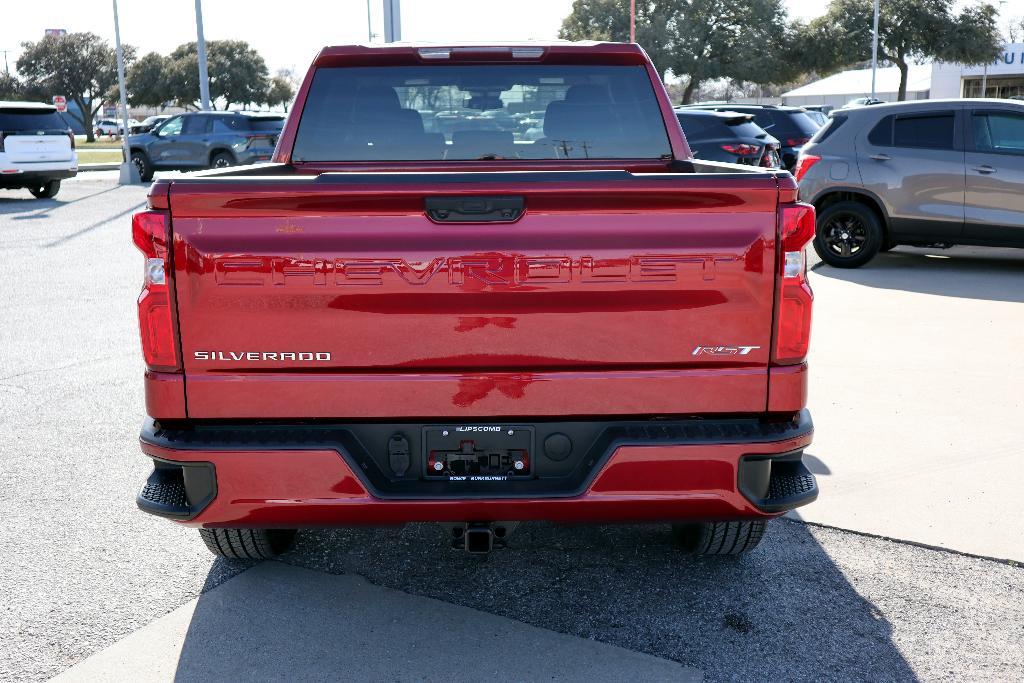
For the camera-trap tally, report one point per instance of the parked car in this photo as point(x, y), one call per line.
point(148, 124)
point(728, 136)
point(825, 109)
point(790, 125)
point(388, 325)
point(919, 173)
point(863, 102)
point(112, 126)
point(37, 148)
point(818, 117)
point(206, 140)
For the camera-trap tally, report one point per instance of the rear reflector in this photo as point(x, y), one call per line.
point(156, 323)
point(793, 314)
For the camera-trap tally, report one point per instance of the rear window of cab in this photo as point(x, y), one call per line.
point(481, 112)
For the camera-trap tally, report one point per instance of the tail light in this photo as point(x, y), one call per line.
point(803, 165)
point(796, 142)
point(71, 135)
point(793, 313)
point(156, 326)
point(742, 149)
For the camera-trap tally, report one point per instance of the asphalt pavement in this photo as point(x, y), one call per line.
point(83, 570)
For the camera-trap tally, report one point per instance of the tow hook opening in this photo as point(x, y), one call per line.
point(479, 538)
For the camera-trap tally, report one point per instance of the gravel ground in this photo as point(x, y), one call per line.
point(809, 604)
point(83, 568)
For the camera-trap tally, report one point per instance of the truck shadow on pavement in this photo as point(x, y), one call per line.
point(783, 612)
point(964, 272)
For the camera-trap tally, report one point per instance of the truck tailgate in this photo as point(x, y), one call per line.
point(611, 293)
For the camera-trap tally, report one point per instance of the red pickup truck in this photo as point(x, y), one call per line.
point(477, 285)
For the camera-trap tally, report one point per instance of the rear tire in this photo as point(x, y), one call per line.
point(222, 160)
point(719, 538)
point(142, 163)
point(48, 190)
point(848, 235)
point(248, 544)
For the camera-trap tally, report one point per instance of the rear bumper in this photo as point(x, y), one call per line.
point(318, 476)
point(33, 177)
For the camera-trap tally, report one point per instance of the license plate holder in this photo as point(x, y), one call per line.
point(478, 453)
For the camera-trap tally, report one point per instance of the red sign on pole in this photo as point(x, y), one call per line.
point(60, 102)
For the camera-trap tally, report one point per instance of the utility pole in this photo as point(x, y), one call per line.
point(984, 72)
point(392, 20)
point(129, 174)
point(874, 52)
point(204, 77)
point(370, 35)
point(632, 21)
point(7, 69)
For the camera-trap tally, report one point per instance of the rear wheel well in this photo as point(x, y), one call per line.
point(220, 150)
point(823, 202)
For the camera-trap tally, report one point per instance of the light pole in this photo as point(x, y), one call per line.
point(392, 20)
point(129, 174)
point(874, 52)
point(204, 78)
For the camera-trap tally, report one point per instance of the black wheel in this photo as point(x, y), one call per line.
point(849, 235)
point(719, 538)
point(145, 168)
point(221, 160)
point(248, 544)
point(47, 190)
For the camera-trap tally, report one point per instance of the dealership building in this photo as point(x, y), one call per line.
point(1005, 78)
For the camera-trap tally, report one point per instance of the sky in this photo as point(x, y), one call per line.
point(288, 33)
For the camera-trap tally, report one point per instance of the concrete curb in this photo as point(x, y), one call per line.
point(99, 167)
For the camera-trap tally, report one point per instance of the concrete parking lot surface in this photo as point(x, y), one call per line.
point(917, 368)
point(84, 569)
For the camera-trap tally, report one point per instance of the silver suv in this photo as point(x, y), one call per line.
point(937, 172)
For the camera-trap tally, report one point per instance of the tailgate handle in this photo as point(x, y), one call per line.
point(475, 209)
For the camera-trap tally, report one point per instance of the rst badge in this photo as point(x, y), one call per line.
point(724, 350)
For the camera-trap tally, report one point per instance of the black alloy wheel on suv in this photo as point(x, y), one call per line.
point(848, 235)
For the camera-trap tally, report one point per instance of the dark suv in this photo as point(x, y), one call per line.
point(936, 172)
point(206, 140)
point(728, 136)
point(791, 125)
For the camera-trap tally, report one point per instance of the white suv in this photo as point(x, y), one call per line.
point(37, 149)
point(112, 126)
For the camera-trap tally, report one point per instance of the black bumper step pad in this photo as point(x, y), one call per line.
point(179, 490)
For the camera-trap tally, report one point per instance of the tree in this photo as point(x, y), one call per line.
point(147, 81)
point(736, 39)
point(281, 91)
point(699, 39)
point(80, 66)
point(10, 86)
point(609, 20)
point(907, 30)
point(238, 74)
